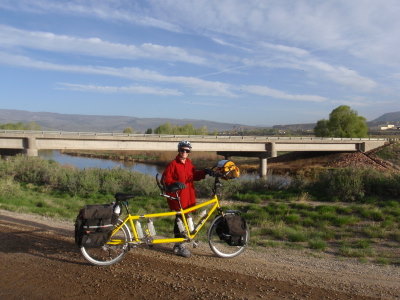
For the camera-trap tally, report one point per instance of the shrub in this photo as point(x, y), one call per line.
point(340, 184)
point(294, 235)
point(317, 244)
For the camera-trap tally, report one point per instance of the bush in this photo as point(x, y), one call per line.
point(75, 182)
point(341, 184)
point(317, 244)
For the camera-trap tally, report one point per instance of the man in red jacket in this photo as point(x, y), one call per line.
point(181, 173)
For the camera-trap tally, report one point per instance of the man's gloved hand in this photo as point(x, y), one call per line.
point(176, 186)
point(180, 185)
point(209, 172)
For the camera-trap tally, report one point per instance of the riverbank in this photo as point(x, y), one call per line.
point(201, 159)
point(386, 158)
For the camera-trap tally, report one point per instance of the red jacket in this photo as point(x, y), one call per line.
point(177, 171)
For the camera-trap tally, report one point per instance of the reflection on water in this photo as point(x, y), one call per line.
point(88, 162)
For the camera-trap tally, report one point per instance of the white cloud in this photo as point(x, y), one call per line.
point(315, 68)
point(199, 86)
point(121, 89)
point(125, 11)
point(285, 49)
point(368, 29)
point(341, 75)
point(13, 37)
point(273, 93)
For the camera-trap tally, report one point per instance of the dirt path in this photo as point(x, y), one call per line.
point(38, 260)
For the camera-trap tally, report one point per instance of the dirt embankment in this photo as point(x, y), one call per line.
point(294, 162)
point(38, 260)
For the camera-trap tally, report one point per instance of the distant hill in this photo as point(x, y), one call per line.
point(388, 118)
point(74, 122)
point(393, 117)
point(71, 122)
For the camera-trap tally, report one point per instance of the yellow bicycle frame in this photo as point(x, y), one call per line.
point(129, 220)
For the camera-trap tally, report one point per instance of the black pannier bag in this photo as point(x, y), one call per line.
point(94, 224)
point(232, 230)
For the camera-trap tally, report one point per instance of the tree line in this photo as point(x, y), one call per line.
point(343, 122)
point(21, 126)
point(168, 128)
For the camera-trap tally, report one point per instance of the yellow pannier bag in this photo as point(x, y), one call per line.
point(227, 169)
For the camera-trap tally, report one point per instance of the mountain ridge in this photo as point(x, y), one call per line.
point(77, 122)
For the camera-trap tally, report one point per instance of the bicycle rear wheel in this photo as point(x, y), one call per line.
point(112, 252)
point(220, 247)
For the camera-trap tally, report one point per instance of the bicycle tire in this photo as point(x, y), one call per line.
point(109, 254)
point(221, 248)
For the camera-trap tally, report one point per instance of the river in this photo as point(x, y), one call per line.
point(88, 162)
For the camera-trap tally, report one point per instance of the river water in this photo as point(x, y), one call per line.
point(88, 162)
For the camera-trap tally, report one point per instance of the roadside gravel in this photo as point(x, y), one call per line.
point(258, 273)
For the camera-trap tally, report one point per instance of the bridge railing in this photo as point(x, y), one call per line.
point(214, 137)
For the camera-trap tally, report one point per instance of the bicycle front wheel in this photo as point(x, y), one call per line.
point(221, 247)
point(110, 253)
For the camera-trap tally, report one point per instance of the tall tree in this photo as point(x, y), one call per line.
point(343, 122)
point(128, 130)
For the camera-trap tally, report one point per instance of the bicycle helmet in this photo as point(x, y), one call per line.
point(184, 144)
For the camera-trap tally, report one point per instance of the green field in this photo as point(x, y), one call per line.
point(344, 212)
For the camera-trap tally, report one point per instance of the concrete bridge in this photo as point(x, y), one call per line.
point(29, 142)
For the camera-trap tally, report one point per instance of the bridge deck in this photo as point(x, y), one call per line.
point(259, 146)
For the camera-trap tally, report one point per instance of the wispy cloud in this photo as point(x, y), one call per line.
point(340, 74)
point(200, 86)
point(318, 53)
point(285, 49)
point(364, 28)
point(13, 37)
point(123, 11)
point(273, 93)
point(120, 89)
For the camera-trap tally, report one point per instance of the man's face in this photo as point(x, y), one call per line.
point(184, 152)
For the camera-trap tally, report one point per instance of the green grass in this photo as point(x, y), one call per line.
point(367, 228)
point(317, 244)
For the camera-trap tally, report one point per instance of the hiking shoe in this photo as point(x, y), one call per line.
point(180, 250)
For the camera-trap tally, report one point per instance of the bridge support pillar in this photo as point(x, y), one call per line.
point(30, 147)
point(263, 167)
point(271, 148)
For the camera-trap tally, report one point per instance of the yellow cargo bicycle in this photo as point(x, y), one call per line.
point(135, 230)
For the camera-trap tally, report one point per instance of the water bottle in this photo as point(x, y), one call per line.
point(150, 227)
point(203, 213)
point(139, 229)
point(190, 223)
point(181, 227)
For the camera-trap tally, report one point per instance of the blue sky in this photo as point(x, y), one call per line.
point(251, 62)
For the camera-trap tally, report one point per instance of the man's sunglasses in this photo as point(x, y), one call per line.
point(184, 150)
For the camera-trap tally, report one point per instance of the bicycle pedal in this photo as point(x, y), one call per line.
point(196, 244)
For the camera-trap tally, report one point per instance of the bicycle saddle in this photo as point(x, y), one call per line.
point(123, 196)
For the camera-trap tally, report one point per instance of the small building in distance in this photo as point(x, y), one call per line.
point(389, 126)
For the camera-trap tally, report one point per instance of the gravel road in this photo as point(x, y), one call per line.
point(39, 260)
